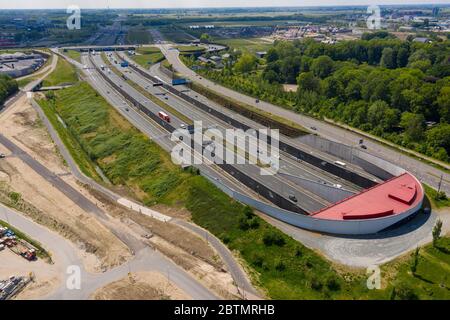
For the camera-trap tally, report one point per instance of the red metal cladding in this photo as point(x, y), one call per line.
point(392, 197)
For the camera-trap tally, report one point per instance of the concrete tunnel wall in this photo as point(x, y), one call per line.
point(370, 163)
point(344, 227)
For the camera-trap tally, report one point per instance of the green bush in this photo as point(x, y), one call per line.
point(273, 238)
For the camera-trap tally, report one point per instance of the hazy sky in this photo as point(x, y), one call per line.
point(38, 4)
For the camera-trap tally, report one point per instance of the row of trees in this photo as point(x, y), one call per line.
point(8, 86)
point(399, 90)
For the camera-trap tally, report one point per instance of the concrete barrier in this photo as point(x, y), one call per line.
point(344, 227)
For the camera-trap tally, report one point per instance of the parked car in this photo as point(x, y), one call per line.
point(313, 128)
point(363, 146)
point(293, 198)
point(2, 155)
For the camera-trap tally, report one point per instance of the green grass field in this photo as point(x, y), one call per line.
point(190, 49)
point(174, 34)
point(64, 73)
point(283, 267)
point(251, 45)
point(138, 35)
point(148, 56)
point(75, 55)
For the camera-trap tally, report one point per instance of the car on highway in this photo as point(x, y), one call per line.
point(126, 109)
point(313, 128)
point(257, 100)
point(2, 155)
point(293, 198)
point(363, 146)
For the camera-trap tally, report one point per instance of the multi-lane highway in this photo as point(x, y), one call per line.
point(421, 169)
point(306, 200)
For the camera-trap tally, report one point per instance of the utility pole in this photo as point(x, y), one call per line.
point(440, 182)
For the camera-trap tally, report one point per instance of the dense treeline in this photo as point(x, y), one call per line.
point(399, 90)
point(8, 86)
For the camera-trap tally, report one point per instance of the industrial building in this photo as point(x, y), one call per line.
point(20, 64)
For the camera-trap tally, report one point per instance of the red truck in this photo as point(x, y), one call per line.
point(164, 116)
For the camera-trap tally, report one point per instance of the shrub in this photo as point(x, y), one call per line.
point(272, 238)
point(332, 283)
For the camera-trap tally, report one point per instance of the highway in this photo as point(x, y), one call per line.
point(425, 172)
point(287, 164)
point(150, 129)
point(351, 251)
point(306, 200)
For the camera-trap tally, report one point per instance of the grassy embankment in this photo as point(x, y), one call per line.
point(73, 54)
point(148, 56)
point(437, 200)
point(63, 74)
point(282, 266)
point(190, 49)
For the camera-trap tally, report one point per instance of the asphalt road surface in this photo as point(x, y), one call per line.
point(352, 251)
point(65, 255)
point(423, 171)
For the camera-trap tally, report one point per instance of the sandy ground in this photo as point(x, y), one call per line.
point(185, 248)
point(98, 247)
point(141, 286)
point(46, 275)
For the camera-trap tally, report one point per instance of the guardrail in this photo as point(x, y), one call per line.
point(293, 151)
point(258, 187)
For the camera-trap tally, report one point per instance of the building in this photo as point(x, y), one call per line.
point(261, 54)
point(19, 64)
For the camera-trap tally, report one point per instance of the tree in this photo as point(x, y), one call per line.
point(402, 57)
point(443, 101)
point(307, 82)
point(388, 59)
point(272, 55)
point(413, 125)
point(246, 63)
point(205, 38)
point(437, 231)
point(417, 55)
point(322, 66)
point(271, 76)
point(439, 137)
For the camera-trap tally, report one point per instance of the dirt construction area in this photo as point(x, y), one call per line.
point(99, 248)
point(141, 286)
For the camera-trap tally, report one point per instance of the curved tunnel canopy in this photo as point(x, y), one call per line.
point(389, 198)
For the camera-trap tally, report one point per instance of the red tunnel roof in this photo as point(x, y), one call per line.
point(389, 198)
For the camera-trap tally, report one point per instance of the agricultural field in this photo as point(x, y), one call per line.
point(138, 35)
